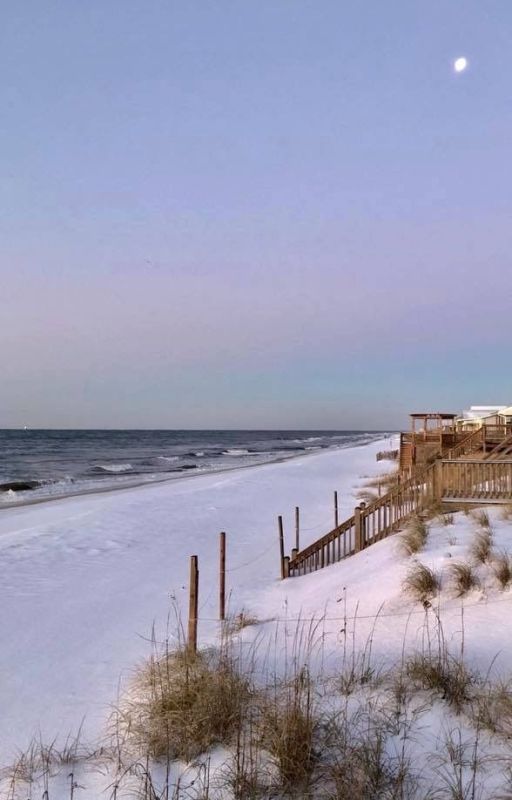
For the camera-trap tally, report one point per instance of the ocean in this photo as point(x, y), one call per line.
point(39, 464)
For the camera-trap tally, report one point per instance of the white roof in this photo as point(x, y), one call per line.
point(487, 408)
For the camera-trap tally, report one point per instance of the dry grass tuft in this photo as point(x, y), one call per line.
point(444, 674)
point(414, 537)
point(433, 509)
point(501, 566)
point(421, 583)
point(363, 767)
point(464, 578)
point(447, 519)
point(240, 621)
point(366, 496)
point(481, 518)
point(288, 725)
point(246, 775)
point(185, 704)
point(360, 672)
point(506, 512)
point(481, 546)
point(384, 483)
point(494, 708)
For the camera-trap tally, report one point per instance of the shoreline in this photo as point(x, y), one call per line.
point(140, 484)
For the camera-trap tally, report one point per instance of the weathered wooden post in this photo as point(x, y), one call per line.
point(297, 528)
point(359, 527)
point(193, 605)
point(336, 522)
point(222, 576)
point(286, 566)
point(437, 480)
point(281, 545)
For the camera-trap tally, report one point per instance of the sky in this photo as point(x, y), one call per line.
point(253, 214)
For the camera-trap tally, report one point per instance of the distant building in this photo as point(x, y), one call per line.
point(476, 416)
point(506, 414)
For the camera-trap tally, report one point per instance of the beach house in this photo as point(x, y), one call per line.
point(476, 416)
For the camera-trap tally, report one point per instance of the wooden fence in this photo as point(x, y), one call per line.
point(369, 524)
point(387, 455)
point(445, 480)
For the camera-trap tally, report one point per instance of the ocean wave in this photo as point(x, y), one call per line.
point(19, 486)
point(113, 468)
point(46, 472)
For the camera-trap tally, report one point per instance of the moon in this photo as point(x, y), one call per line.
point(460, 64)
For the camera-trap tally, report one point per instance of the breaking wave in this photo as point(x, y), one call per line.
point(113, 468)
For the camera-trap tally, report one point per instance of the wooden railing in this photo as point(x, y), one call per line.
point(369, 524)
point(472, 442)
point(503, 448)
point(476, 480)
point(496, 433)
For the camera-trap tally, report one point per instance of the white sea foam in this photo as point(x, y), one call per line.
point(115, 468)
point(235, 452)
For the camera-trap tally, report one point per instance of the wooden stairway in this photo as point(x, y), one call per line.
point(502, 450)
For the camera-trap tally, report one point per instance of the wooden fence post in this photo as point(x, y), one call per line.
point(359, 527)
point(222, 577)
point(281, 545)
point(297, 528)
point(193, 605)
point(336, 521)
point(437, 480)
point(286, 566)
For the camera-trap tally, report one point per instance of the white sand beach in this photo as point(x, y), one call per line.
point(83, 579)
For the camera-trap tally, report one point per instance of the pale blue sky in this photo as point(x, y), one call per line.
point(253, 214)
